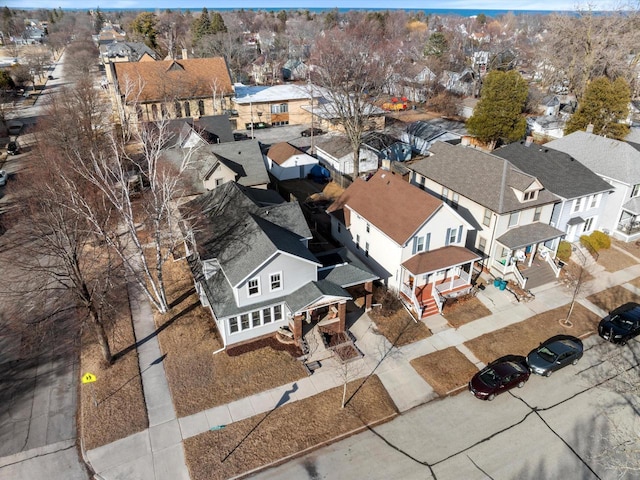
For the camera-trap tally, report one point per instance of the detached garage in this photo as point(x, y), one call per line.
point(286, 162)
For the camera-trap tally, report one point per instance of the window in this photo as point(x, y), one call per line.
point(281, 108)
point(255, 318)
point(487, 217)
point(178, 108)
point(187, 109)
point(577, 205)
point(368, 228)
point(366, 249)
point(233, 325)
point(445, 193)
point(254, 287)
point(154, 111)
point(418, 244)
point(482, 244)
point(636, 190)
point(537, 213)
point(201, 107)
point(280, 123)
point(358, 241)
point(452, 234)
point(513, 219)
point(421, 182)
point(244, 321)
point(455, 199)
point(277, 312)
point(588, 224)
point(139, 113)
point(164, 111)
point(595, 201)
point(219, 181)
point(275, 281)
point(266, 315)
point(530, 195)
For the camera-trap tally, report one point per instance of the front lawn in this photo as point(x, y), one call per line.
point(294, 427)
point(445, 370)
point(613, 260)
point(522, 337)
point(464, 310)
point(399, 327)
point(613, 297)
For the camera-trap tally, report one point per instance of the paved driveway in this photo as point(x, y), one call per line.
point(552, 428)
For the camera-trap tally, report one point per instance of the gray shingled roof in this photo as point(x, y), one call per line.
point(478, 175)
point(559, 172)
point(605, 156)
point(244, 158)
point(241, 234)
point(347, 271)
point(519, 237)
point(633, 205)
point(312, 292)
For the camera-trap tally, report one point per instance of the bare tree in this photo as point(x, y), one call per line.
point(353, 66)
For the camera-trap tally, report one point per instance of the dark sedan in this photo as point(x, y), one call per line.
point(311, 131)
point(498, 377)
point(622, 324)
point(554, 354)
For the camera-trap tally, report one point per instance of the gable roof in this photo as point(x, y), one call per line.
point(242, 235)
point(243, 157)
point(337, 146)
point(133, 50)
point(176, 79)
point(281, 152)
point(393, 205)
point(479, 176)
point(605, 156)
point(559, 172)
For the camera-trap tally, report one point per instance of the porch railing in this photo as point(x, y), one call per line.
point(629, 227)
point(438, 299)
point(552, 264)
point(410, 294)
point(522, 280)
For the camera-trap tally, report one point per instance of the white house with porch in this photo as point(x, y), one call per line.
point(413, 241)
point(509, 210)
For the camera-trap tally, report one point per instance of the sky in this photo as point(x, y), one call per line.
point(513, 5)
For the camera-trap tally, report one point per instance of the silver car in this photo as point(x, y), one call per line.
point(554, 354)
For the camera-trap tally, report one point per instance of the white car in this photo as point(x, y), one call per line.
point(3, 178)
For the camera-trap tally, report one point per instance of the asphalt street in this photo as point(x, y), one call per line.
point(556, 427)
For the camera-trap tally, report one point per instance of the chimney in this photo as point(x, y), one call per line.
point(590, 128)
point(529, 141)
point(184, 54)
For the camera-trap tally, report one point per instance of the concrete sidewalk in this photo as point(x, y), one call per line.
point(157, 453)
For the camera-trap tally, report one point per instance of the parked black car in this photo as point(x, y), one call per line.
point(622, 324)
point(13, 148)
point(311, 131)
point(498, 377)
point(553, 354)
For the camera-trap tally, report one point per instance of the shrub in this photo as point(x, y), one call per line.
point(564, 251)
point(588, 244)
point(600, 240)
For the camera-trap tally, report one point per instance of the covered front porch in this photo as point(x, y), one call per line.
point(628, 227)
point(516, 251)
point(429, 277)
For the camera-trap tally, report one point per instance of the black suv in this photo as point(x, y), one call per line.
point(622, 324)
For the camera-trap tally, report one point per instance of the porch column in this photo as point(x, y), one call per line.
point(368, 297)
point(534, 249)
point(297, 328)
point(342, 315)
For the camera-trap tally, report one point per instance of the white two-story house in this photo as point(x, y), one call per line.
point(510, 211)
point(253, 269)
point(412, 240)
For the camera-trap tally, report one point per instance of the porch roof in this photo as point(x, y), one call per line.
point(633, 206)
point(314, 293)
point(439, 259)
point(343, 268)
point(529, 234)
point(575, 221)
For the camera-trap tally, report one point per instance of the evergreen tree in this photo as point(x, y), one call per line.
point(98, 21)
point(144, 25)
point(201, 26)
point(498, 115)
point(605, 105)
point(217, 23)
point(437, 45)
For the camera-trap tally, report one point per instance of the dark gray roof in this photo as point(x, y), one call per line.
point(345, 269)
point(478, 176)
point(425, 131)
point(378, 141)
point(575, 220)
point(133, 50)
point(525, 235)
point(605, 156)
point(244, 158)
point(312, 292)
point(559, 172)
point(242, 235)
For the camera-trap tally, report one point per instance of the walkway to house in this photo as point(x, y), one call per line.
point(157, 454)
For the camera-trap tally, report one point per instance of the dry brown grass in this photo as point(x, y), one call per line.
point(613, 297)
point(287, 430)
point(613, 260)
point(445, 370)
point(399, 327)
point(121, 409)
point(464, 310)
point(571, 272)
point(198, 379)
point(635, 282)
point(632, 247)
point(522, 337)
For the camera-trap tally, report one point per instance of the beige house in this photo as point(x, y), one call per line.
point(149, 91)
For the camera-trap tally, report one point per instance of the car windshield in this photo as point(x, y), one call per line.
point(546, 354)
point(489, 377)
point(622, 322)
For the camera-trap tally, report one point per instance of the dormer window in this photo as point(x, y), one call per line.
point(254, 287)
point(531, 195)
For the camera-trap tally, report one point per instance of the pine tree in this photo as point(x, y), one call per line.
point(201, 26)
point(217, 23)
point(605, 105)
point(498, 115)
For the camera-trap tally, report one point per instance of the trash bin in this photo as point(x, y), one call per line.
point(497, 282)
point(503, 285)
